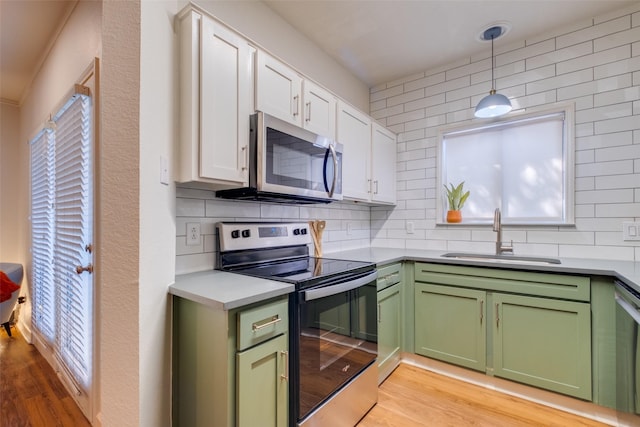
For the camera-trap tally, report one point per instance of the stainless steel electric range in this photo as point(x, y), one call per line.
point(333, 319)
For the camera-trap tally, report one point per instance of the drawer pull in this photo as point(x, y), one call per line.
point(285, 375)
point(266, 322)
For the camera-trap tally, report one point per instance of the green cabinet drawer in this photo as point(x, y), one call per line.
point(389, 275)
point(258, 324)
point(562, 286)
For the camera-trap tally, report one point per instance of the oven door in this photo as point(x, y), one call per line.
point(336, 336)
point(292, 160)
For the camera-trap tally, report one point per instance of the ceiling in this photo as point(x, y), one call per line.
point(377, 40)
point(382, 40)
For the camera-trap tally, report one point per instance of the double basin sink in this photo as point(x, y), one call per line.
point(508, 259)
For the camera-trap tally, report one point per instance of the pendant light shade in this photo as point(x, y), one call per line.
point(494, 104)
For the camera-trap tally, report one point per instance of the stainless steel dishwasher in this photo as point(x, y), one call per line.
point(627, 354)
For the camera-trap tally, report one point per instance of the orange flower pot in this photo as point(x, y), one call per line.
point(454, 216)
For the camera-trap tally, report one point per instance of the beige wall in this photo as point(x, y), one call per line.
point(12, 200)
point(119, 212)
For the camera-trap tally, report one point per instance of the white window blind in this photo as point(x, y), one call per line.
point(73, 224)
point(522, 166)
point(42, 232)
point(62, 227)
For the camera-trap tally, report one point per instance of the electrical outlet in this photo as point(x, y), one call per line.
point(193, 234)
point(630, 230)
point(410, 227)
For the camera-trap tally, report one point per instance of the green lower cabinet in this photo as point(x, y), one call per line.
point(450, 324)
point(543, 342)
point(262, 384)
point(389, 330)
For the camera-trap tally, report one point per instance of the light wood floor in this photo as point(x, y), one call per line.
point(30, 392)
point(413, 397)
point(32, 395)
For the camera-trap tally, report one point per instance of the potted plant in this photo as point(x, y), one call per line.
point(456, 198)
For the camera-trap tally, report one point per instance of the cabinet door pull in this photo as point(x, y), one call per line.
point(497, 315)
point(481, 311)
point(376, 183)
point(266, 322)
point(285, 376)
point(369, 185)
point(308, 119)
point(297, 105)
point(244, 158)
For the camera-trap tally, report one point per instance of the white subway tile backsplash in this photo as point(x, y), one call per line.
point(618, 210)
point(617, 96)
point(607, 168)
point(595, 59)
point(406, 97)
point(425, 102)
point(526, 52)
point(596, 252)
point(621, 38)
point(617, 68)
point(605, 140)
point(563, 80)
point(190, 207)
point(557, 56)
point(424, 82)
point(617, 125)
point(585, 183)
point(600, 30)
point(604, 196)
point(386, 93)
point(604, 113)
point(618, 153)
point(630, 180)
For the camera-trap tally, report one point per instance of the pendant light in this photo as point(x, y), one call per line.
point(494, 104)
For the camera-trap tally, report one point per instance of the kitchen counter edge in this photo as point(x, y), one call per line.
point(225, 291)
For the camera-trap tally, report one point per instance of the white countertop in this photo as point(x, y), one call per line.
point(225, 291)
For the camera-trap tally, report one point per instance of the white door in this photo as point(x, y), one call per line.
point(319, 110)
point(62, 159)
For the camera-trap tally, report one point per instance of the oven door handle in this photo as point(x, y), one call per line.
point(328, 291)
point(633, 312)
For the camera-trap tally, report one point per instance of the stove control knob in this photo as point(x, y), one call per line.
point(303, 231)
point(246, 233)
point(235, 234)
point(296, 231)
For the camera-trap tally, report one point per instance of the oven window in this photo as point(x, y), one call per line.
point(338, 339)
point(294, 162)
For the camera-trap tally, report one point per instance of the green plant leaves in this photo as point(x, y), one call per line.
point(456, 197)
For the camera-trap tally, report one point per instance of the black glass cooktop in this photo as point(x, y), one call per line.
point(307, 271)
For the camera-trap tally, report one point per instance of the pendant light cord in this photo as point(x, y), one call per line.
point(493, 85)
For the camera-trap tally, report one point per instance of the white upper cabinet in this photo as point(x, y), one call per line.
point(354, 133)
point(383, 165)
point(319, 115)
point(216, 82)
point(283, 93)
point(369, 158)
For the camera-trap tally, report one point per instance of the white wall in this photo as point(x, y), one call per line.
point(596, 64)
point(259, 23)
point(158, 131)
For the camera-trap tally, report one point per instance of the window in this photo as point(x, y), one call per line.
point(522, 165)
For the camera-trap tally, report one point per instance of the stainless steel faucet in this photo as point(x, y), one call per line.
point(497, 226)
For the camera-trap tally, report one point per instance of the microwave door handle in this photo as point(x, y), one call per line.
point(328, 291)
point(335, 169)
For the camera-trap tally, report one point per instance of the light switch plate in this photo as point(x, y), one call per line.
point(630, 230)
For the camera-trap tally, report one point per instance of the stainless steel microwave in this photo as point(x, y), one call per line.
point(289, 164)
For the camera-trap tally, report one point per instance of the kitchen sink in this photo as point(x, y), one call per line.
point(511, 259)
